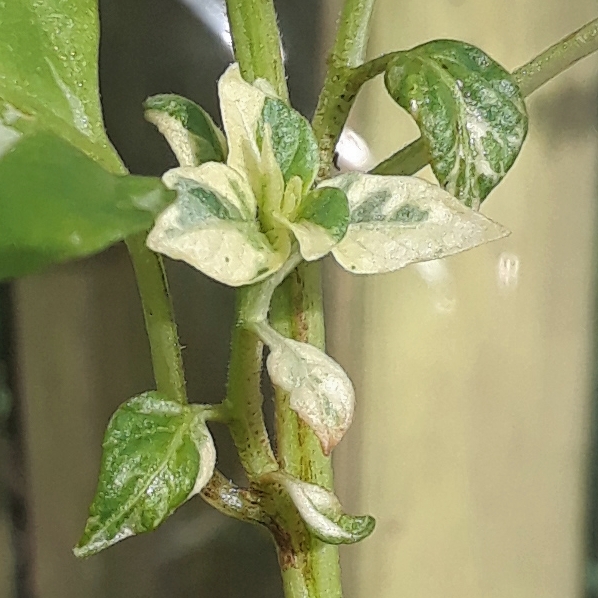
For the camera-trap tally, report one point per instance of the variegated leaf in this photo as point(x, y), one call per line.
point(397, 220)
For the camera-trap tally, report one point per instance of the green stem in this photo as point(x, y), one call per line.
point(244, 397)
point(158, 313)
point(159, 319)
point(529, 77)
point(258, 51)
point(341, 87)
point(257, 43)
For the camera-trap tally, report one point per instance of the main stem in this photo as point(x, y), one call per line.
point(310, 568)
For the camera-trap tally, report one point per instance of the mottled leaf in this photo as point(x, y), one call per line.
point(397, 220)
point(212, 227)
point(189, 129)
point(320, 390)
point(470, 112)
point(57, 204)
point(294, 143)
point(156, 454)
point(324, 516)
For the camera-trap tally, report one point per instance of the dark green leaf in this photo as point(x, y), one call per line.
point(470, 112)
point(57, 204)
point(156, 454)
point(48, 68)
point(295, 146)
point(189, 130)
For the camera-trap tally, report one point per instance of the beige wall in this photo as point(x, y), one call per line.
point(474, 373)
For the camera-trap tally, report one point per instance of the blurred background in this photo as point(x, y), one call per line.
point(472, 443)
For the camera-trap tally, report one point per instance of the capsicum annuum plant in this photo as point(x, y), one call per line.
point(255, 206)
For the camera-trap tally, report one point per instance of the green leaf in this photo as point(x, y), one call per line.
point(57, 204)
point(189, 129)
point(156, 454)
point(398, 220)
point(48, 68)
point(212, 227)
point(293, 141)
point(320, 391)
point(324, 516)
point(321, 221)
point(470, 112)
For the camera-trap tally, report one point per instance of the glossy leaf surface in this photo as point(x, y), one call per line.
point(470, 112)
point(156, 454)
point(48, 68)
point(57, 204)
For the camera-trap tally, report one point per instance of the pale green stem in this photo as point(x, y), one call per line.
point(159, 319)
point(160, 324)
point(257, 43)
point(529, 77)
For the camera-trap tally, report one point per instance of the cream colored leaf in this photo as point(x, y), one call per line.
point(397, 221)
point(241, 105)
point(209, 227)
point(320, 390)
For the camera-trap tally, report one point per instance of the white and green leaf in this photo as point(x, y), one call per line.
point(241, 106)
point(324, 515)
point(247, 112)
point(293, 141)
point(212, 227)
point(470, 112)
point(397, 221)
point(321, 221)
point(320, 390)
point(157, 453)
point(188, 128)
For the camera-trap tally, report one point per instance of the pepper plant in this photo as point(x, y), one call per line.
point(255, 206)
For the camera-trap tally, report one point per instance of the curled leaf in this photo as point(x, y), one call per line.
point(212, 227)
point(397, 220)
point(188, 128)
point(157, 453)
point(320, 390)
point(470, 112)
point(324, 516)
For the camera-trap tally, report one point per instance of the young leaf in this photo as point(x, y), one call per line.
point(57, 204)
point(469, 110)
point(241, 106)
point(48, 68)
point(324, 516)
point(294, 143)
point(321, 221)
point(247, 110)
point(212, 227)
point(320, 390)
point(397, 220)
point(156, 454)
point(189, 129)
